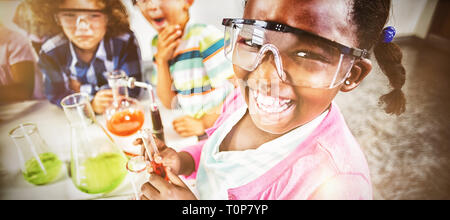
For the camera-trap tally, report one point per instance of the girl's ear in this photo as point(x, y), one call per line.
point(361, 68)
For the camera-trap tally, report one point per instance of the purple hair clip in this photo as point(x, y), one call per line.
point(388, 34)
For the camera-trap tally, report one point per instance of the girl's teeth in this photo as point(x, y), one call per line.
point(270, 104)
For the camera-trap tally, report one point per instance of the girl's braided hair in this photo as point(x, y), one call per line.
point(370, 17)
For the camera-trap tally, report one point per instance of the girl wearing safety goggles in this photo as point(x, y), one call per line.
point(92, 37)
point(280, 135)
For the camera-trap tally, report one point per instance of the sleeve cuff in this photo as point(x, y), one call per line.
point(195, 151)
point(88, 89)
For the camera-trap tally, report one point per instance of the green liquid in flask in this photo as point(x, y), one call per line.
point(34, 173)
point(100, 174)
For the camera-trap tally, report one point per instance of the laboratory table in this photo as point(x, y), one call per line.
point(55, 130)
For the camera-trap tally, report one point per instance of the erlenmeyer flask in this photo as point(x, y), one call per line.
point(39, 165)
point(97, 164)
point(126, 116)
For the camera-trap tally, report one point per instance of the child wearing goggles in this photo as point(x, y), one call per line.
point(91, 38)
point(280, 136)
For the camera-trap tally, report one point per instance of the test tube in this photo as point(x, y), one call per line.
point(158, 168)
point(158, 128)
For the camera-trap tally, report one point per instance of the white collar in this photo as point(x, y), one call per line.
point(296, 135)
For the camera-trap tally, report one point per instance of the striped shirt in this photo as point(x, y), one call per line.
point(59, 63)
point(199, 70)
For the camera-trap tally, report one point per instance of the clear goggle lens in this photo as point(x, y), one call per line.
point(300, 60)
point(73, 19)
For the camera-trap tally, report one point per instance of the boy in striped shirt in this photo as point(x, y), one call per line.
point(191, 70)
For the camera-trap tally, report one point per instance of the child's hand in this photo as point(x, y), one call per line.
point(167, 156)
point(187, 126)
point(74, 85)
point(168, 41)
point(102, 100)
point(159, 189)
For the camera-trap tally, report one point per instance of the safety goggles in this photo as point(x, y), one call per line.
point(71, 18)
point(301, 58)
point(144, 2)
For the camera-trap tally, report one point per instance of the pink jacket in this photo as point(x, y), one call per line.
point(329, 164)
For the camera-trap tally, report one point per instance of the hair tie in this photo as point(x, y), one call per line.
point(388, 34)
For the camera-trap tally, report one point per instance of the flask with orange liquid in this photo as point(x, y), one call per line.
point(126, 116)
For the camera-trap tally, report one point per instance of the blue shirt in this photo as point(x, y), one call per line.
point(59, 63)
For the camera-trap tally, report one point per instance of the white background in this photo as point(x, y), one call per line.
point(409, 17)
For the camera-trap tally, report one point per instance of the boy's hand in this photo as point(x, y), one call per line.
point(187, 126)
point(168, 41)
point(167, 156)
point(102, 100)
point(159, 189)
point(74, 85)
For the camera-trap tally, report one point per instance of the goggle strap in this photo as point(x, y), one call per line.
point(80, 10)
point(337, 71)
point(359, 53)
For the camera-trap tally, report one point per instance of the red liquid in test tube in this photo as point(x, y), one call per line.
point(158, 168)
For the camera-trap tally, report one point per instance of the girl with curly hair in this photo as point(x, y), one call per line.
point(91, 37)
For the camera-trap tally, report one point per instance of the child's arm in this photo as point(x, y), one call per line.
point(21, 88)
point(211, 116)
point(187, 126)
point(21, 62)
point(187, 164)
point(192, 152)
point(164, 86)
point(168, 41)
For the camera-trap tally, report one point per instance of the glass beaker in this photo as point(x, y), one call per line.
point(39, 166)
point(126, 116)
point(97, 164)
point(137, 168)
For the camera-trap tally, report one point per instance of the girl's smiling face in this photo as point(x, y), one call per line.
point(276, 107)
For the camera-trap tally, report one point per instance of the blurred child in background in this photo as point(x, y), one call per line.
point(17, 66)
point(190, 68)
point(92, 37)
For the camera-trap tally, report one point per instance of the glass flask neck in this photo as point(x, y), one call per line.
point(29, 143)
point(78, 109)
point(117, 81)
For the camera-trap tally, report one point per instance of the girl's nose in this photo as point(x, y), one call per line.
point(265, 77)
